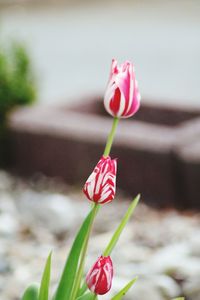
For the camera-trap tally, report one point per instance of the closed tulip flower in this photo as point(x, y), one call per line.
point(101, 184)
point(122, 97)
point(99, 278)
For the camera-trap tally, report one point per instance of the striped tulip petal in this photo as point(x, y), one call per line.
point(122, 97)
point(101, 184)
point(99, 278)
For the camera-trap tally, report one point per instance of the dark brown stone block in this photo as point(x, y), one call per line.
point(187, 162)
point(67, 142)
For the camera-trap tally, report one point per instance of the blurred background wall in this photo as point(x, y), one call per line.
point(72, 44)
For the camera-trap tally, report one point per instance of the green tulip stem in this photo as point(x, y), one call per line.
point(97, 206)
point(111, 137)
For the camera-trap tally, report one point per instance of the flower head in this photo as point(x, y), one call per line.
point(122, 97)
point(99, 278)
point(101, 184)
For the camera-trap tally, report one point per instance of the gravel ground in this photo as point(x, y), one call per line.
point(40, 215)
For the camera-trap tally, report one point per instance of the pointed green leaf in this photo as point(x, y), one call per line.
point(82, 290)
point(122, 293)
point(79, 275)
point(121, 226)
point(44, 287)
point(88, 296)
point(31, 293)
point(67, 279)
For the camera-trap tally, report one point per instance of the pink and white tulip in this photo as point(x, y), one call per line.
point(100, 187)
point(122, 97)
point(99, 278)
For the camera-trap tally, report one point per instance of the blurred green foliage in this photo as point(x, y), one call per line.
point(17, 85)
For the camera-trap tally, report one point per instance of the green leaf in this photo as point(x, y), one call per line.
point(79, 275)
point(88, 296)
point(67, 279)
point(44, 287)
point(31, 293)
point(122, 293)
point(179, 298)
point(83, 289)
point(121, 226)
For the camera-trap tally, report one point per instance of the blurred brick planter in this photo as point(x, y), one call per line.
point(67, 142)
point(187, 164)
point(4, 148)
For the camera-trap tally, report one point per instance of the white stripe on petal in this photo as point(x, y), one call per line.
point(98, 184)
point(105, 196)
point(109, 94)
point(131, 92)
point(90, 189)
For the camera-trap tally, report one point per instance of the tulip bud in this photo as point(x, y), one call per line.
point(99, 278)
point(101, 184)
point(122, 97)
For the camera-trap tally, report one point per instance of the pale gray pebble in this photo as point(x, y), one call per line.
point(6, 181)
point(53, 211)
point(8, 224)
point(5, 266)
point(191, 288)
